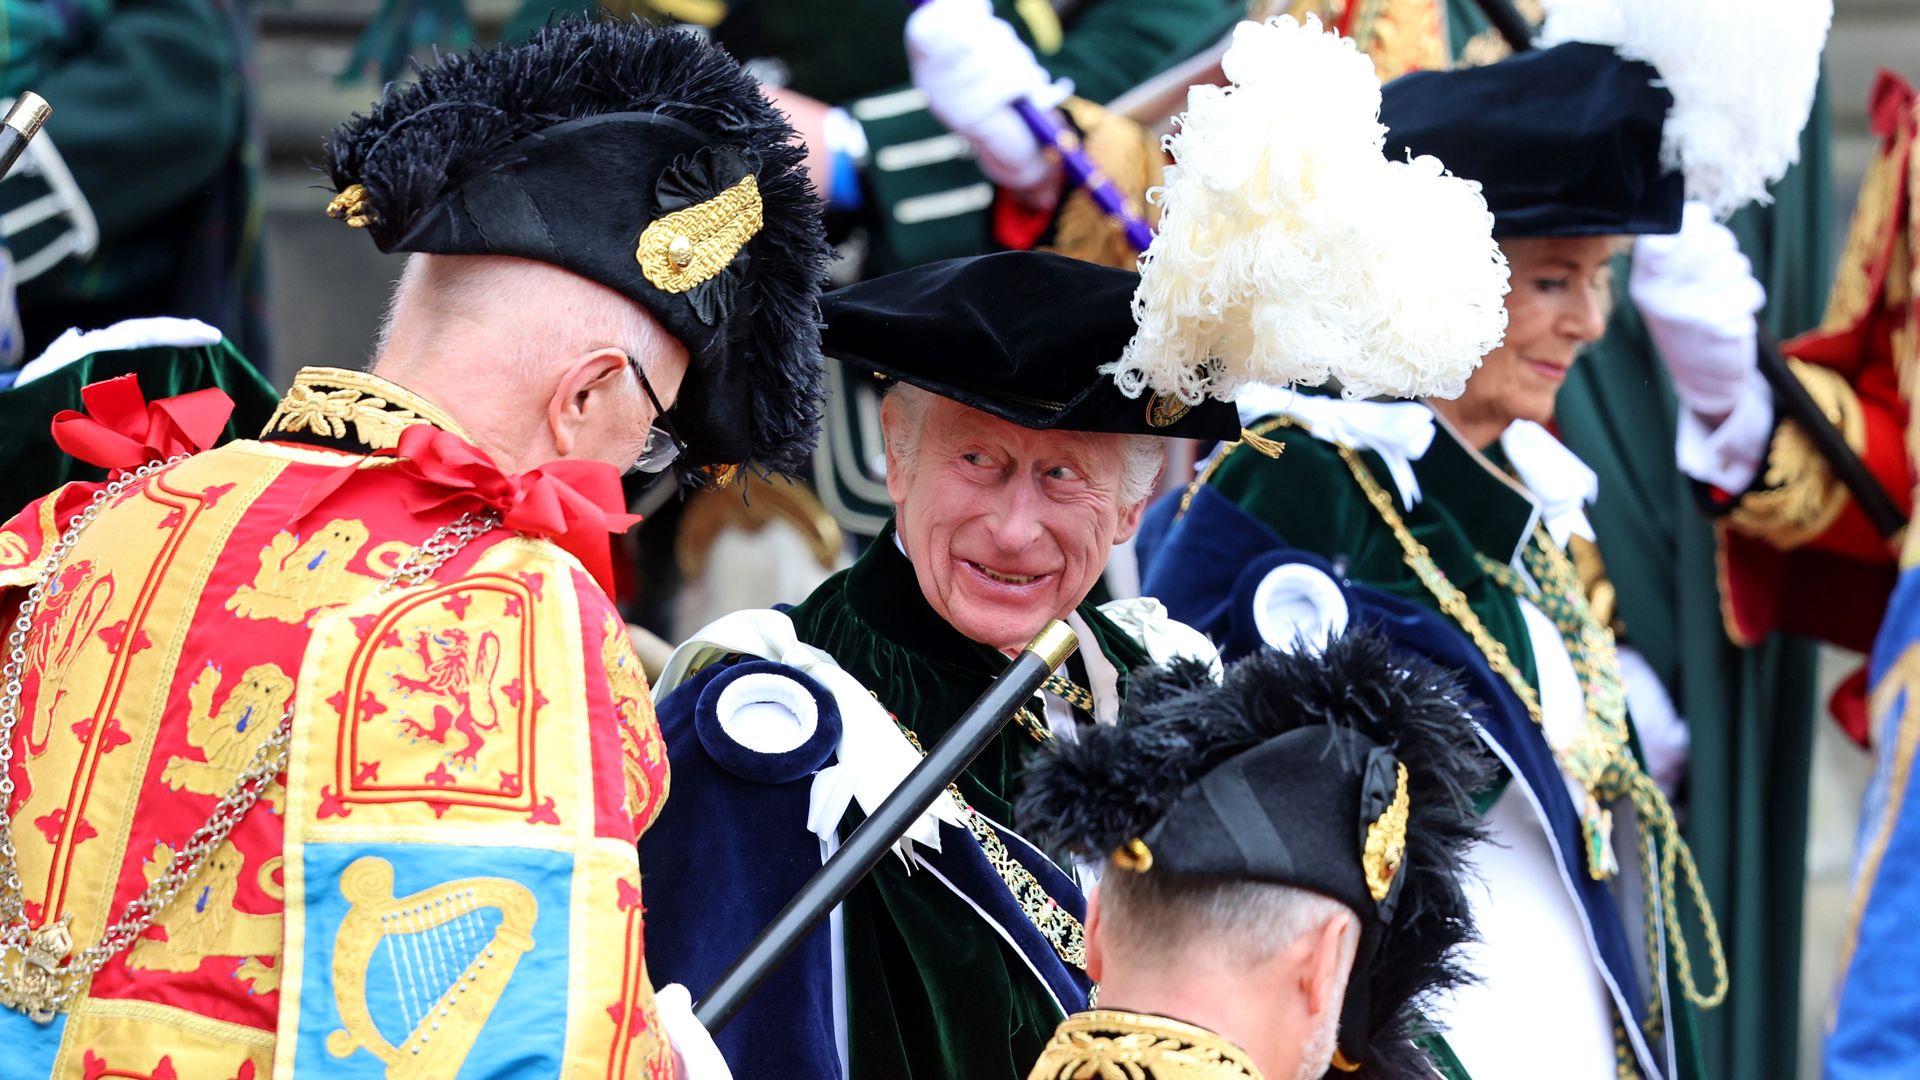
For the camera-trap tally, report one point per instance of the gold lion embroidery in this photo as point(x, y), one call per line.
point(461, 671)
point(202, 922)
point(297, 577)
point(641, 754)
point(228, 739)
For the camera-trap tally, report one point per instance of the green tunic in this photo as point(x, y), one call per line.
point(1750, 711)
point(152, 114)
point(31, 464)
point(930, 991)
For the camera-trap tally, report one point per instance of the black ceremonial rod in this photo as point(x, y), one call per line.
point(1791, 397)
point(19, 126)
point(876, 835)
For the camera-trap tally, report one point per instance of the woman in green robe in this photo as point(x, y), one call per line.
point(1597, 943)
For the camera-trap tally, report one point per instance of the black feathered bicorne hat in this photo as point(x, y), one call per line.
point(641, 158)
point(1347, 773)
point(1018, 334)
point(1563, 141)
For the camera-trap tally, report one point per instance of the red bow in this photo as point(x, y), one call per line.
point(121, 429)
point(573, 503)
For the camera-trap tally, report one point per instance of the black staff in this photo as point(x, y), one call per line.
point(874, 836)
point(1789, 395)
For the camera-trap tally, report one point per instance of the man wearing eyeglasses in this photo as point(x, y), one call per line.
point(326, 753)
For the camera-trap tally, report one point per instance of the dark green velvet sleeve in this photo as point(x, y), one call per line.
point(32, 465)
point(155, 82)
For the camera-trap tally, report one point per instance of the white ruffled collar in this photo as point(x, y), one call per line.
point(1560, 482)
point(1400, 432)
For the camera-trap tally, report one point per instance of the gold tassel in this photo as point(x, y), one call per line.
point(1260, 443)
point(720, 476)
point(1134, 855)
point(1340, 1062)
point(351, 207)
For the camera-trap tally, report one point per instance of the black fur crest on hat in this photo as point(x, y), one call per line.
point(423, 141)
point(1114, 784)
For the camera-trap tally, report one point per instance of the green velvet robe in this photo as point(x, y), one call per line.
point(1467, 505)
point(931, 992)
point(31, 465)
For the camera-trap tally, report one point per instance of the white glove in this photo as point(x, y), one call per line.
point(972, 66)
point(1698, 296)
point(694, 1055)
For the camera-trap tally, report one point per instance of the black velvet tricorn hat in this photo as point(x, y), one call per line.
point(1347, 773)
point(1563, 141)
point(1018, 334)
point(644, 159)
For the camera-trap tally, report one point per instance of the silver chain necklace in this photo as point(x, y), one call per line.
point(39, 973)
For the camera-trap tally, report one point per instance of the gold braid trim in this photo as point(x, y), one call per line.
point(325, 401)
point(1103, 1043)
point(1055, 923)
point(1255, 437)
point(1599, 759)
point(1801, 498)
point(689, 246)
point(1852, 294)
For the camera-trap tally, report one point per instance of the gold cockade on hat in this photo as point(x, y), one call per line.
point(680, 250)
point(1386, 846)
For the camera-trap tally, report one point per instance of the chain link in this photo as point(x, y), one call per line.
point(40, 978)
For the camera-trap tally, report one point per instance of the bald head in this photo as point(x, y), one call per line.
point(530, 359)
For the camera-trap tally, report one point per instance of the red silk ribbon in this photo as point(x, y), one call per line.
point(121, 429)
point(573, 503)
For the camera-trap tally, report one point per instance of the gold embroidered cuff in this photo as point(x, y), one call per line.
point(1801, 498)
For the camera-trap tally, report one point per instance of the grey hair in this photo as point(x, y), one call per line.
point(1151, 918)
point(1145, 455)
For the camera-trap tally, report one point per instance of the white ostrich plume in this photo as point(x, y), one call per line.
point(1742, 75)
point(1291, 251)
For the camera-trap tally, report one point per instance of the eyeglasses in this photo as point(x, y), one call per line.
point(664, 445)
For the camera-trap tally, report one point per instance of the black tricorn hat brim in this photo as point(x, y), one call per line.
point(1563, 141)
point(1274, 774)
point(1020, 335)
point(564, 149)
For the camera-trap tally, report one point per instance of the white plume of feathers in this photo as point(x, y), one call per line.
point(1742, 77)
point(1291, 251)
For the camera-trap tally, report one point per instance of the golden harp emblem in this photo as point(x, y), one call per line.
point(445, 955)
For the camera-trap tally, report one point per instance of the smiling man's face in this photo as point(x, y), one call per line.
point(1006, 527)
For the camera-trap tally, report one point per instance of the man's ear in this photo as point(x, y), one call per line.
point(896, 469)
point(1130, 521)
point(1323, 978)
point(586, 386)
point(1096, 952)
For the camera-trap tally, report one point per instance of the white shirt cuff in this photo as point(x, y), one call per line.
point(1730, 455)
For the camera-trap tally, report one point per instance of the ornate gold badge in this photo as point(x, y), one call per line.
point(1386, 844)
point(682, 249)
point(1165, 410)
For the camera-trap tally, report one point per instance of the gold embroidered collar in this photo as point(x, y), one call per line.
point(350, 410)
point(1105, 1042)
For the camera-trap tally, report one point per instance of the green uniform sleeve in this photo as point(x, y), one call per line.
point(36, 36)
point(926, 199)
point(156, 83)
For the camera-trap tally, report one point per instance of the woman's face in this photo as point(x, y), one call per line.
point(1559, 303)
